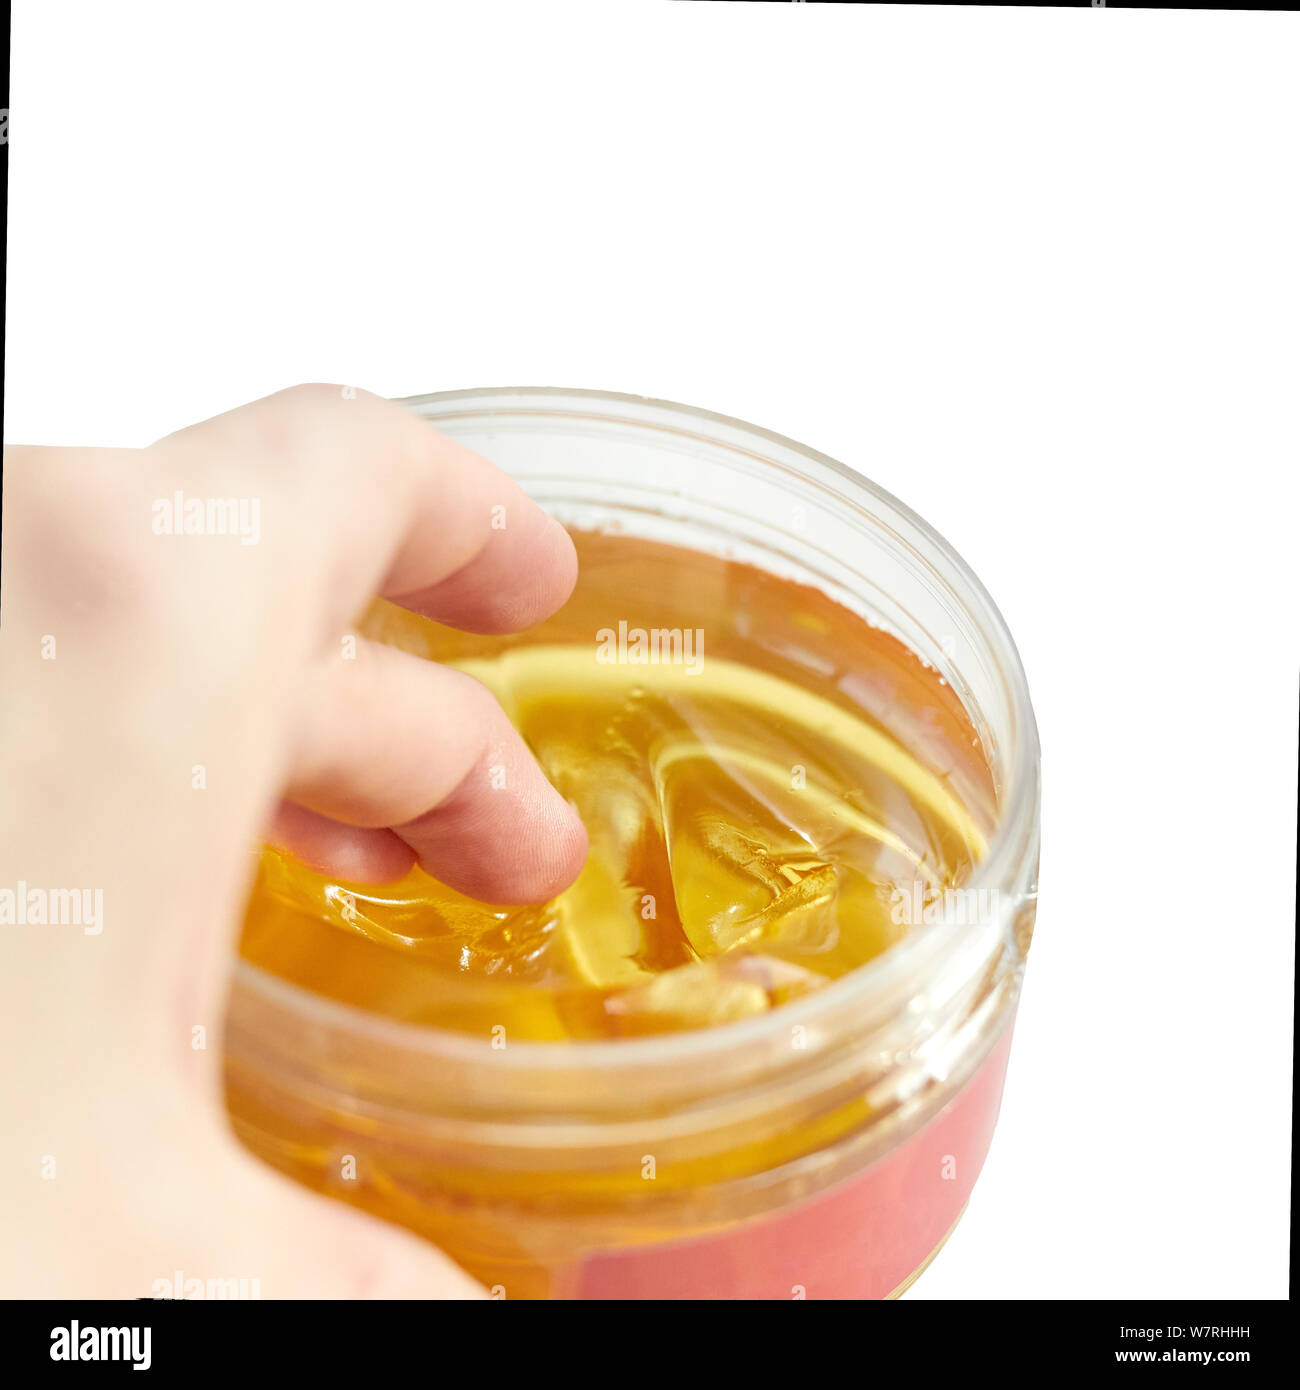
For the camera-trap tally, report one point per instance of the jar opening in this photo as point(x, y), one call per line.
point(705, 480)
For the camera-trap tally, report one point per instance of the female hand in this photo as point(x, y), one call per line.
point(166, 700)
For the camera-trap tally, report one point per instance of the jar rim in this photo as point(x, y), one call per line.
point(1011, 845)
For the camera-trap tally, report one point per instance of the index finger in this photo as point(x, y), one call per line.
point(405, 512)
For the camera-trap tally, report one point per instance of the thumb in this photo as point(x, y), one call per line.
point(298, 1244)
point(208, 1220)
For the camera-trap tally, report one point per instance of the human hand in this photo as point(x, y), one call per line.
point(168, 699)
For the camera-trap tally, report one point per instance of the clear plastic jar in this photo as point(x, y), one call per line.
point(824, 1149)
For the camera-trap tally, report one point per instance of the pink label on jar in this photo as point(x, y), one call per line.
point(863, 1238)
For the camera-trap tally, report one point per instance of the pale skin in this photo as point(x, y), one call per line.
point(172, 653)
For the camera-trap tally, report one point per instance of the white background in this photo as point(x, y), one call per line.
point(1033, 272)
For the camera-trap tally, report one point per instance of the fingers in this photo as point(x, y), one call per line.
point(383, 504)
point(519, 577)
point(386, 739)
point(337, 850)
